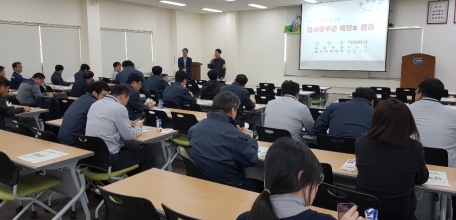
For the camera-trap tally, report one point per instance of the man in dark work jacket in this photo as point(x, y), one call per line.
point(348, 119)
point(6, 111)
point(238, 89)
point(177, 92)
point(128, 69)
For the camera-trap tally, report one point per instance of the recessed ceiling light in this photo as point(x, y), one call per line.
point(257, 6)
point(211, 10)
point(173, 3)
point(312, 1)
point(230, 0)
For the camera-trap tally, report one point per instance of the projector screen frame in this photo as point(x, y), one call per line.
point(359, 70)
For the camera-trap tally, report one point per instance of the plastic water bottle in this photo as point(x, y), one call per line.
point(160, 104)
point(159, 125)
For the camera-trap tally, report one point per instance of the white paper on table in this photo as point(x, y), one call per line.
point(262, 151)
point(8, 104)
point(71, 79)
point(42, 156)
point(166, 130)
point(350, 165)
point(34, 109)
point(437, 178)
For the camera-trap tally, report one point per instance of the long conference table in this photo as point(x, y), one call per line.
point(336, 160)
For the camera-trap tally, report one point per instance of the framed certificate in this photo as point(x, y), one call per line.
point(437, 12)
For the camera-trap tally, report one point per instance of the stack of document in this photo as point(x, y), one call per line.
point(437, 178)
point(42, 156)
point(350, 165)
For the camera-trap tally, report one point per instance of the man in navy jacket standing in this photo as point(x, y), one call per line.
point(185, 63)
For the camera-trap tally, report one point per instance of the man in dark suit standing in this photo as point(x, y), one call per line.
point(185, 63)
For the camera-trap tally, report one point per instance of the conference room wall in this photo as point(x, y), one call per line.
point(261, 45)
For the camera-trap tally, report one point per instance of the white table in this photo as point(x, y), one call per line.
point(60, 88)
point(34, 113)
point(446, 100)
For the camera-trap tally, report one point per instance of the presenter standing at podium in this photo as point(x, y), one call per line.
point(218, 64)
point(185, 63)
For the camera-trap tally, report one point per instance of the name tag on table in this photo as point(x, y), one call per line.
point(42, 156)
point(437, 178)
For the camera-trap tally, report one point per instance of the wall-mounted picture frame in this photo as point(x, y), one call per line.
point(438, 12)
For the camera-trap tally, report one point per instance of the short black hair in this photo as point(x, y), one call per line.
point(290, 88)
point(98, 86)
point(364, 92)
point(88, 75)
point(134, 78)
point(241, 79)
point(115, 64)
point(38, 76)
point(85, 67)
point(212, 74)
point(15, 64)
point(185, 49)
point(2, 68)
point(225, 101)
point(127, 63)
point(181, 76)
point(218, 50)
point(4, 82)
point(119, 90)
point(157, 70)
point(164, 75)
point(432, 88)
point(58, 67)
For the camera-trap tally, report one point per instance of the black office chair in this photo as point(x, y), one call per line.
point(194, 88)
point(23, 129)
point(279, 92)
point(271, 134)
point(337, 144)
point(173, 215)
point(401, 97)
point(120, 207)
point(154, 96)
point(191, 107)
point(183, 122)
point(153, 115)
point(407, 92)
point(267, 86)
point(328, 172)
point(265, 92)
point(46, 135)
point(13, 101)
point(328, 196)
point(64, 105)
point(436, 156)
point(190, 166)
point(344, 100)
point(207, 96)
point(49, 89)
point(169, 104)
point(250, 90)
point(445, 93)
point(263, 99)
point(105, 79)
point(317, 98)
point(316, 112)
point(381, 90)
point(201, 82)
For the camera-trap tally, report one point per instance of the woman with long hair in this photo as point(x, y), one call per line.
point(292, 174)
point(390, 160)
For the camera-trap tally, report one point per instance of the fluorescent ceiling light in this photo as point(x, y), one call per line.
point(173, 3)
point(312, 1)
point(257, 6)
point(211, 10)
point(230, 0)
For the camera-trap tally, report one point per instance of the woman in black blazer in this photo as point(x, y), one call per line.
point(390, 160)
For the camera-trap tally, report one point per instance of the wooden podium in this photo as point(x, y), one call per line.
point(415, 68)
point(196, 70)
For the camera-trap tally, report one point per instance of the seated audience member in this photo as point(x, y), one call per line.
point(75, 118)
point(292, 174)
point(219, 148)
point(128, 69)
point(117, 68)
point(108, 120)
point(6, 111)
point(211, 87)
point(80, 75)
point(348, 119)
point(177, 92)
point(2, 72)
point(16, 78)
point(165, 77)
point(156, 82)
point(237, 87)
point(80, 86)
point(29, 90)
point(56, 77)
point(390, 160)
point(135, 106)
point(436, 122)
point(288, 113)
